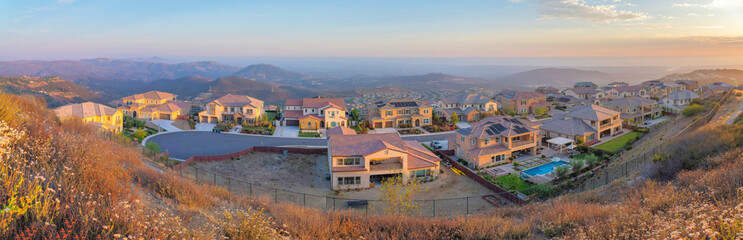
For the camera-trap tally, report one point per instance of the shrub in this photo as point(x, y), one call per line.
point(692, 110)
point(561, 171)
point(152, 147)
point(576, 164)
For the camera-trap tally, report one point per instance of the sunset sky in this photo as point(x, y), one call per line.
point(69, 29)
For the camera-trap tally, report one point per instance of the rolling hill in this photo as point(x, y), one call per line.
point(55, 91)
point(268, 73)
point(706, 76)
point(114, 69)
point(268, 92)
point(556, 77)
point(425, 82)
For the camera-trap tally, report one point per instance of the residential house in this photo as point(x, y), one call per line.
point(627, 91)
point(676, 101)
point(547, 90)
point(635, 110)
point(523, 102)
point(717, 87)
point(99, 115)
point(689, 84)
point(495, 140)
point(585, 84)
point(233, 108)
point(168, 111)
point(468, 107)
point(315, 113)
point(134, 103)
point(618, 84)
point(648, 84)
point(340, 131)
point(584, 93)
point(662, 89)
point(400, 113)
point(589, 123)
point(357, 161)
point(570, 101)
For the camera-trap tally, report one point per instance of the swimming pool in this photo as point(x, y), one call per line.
point(544, 169)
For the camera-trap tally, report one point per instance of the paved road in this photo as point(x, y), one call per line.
point(184, 144)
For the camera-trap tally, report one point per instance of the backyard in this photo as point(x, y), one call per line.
point(619, 142)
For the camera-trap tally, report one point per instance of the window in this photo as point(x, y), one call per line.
point(523, 102)
point(309, 124)
point(425, 111)
point(474, 141)
point(420, 173)
point(399, 112)
point(226, 109)
point(333, 124)
point(348, 161)
point(498, 158)
point(407, 111)
point(389, 113)
point(462, 139)
point(426, 120)
point(349, 180)
point(487, 141)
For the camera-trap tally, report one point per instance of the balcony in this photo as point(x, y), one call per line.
point(386, 165)
point(522, 143)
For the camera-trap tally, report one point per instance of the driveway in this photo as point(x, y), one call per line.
point(184, 144)
point(166, 124)
point(205, 127)
point(286, 131)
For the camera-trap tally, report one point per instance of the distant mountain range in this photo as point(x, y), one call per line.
point(556, 77)
point(55, 91)
point(268, 73)
point(706, 76)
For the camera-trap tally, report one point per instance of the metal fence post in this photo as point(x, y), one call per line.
point(197, 175)
point(304, 199)
point(276, 195)
point(215, 179)
point(250, 185)
point(434, 208)
point(468, 206)
point(229, 184)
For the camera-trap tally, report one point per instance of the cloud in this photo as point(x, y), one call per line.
point(719, 40)
point(579, 9)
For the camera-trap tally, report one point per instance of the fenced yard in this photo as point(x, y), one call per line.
point(619, 142)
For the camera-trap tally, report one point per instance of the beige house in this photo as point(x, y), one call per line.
point(315, 113)
point(467, 107)
point(584, 93)
point(99, 115)
point(590, 122)
point(168, 111)
point(635, 110)
point(357, 161)
point(134, 103)
point(495, 139)
point(627, 91)
point(523, 102)
point(232, 108)
point(662, 89)
point(400, 113)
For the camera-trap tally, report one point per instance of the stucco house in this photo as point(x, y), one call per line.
point(570, 101)
point(547, 90)
point(627, 91)
point(233, 108)
point(467, 107)
point(590, 122)
point(168, 111)
point(99, 115)
point(635, 110)
point(676, 101)
point(689, 84)
point(315, 113)
point(495, 139)
point(584, 93)
point(662, 89)
point(400, 113)
point(522, 102)
point(133, 104)
point(357, 161)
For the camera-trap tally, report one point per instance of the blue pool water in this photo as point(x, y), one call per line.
point(544, 169)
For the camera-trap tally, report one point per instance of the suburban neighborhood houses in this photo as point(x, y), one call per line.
point(239, 108)
point(98, 115)
point(496, 139)
point(468, 107)
point(400, 113)
point(315, 113)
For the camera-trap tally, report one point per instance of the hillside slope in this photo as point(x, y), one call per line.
point(706, 76)
point(268, 73)
point(54, 90)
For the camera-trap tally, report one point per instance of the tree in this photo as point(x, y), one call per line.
point(355, 114)
point(592, 160)
point(509, 111)
point(561, 171)
point(152, 146)
point(399, 198)
point(454, 119)
point(540, 111)
point(579, 141)
point(692, 110)
point(576, 164)
point(436, 119)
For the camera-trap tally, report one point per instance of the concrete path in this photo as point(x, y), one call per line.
point(167, 125)
point(286, 131)
point(205, 127)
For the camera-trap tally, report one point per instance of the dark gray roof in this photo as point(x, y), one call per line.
point(570, 127)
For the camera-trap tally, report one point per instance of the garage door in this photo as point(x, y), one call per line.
point(165, 116)
point(292, 122)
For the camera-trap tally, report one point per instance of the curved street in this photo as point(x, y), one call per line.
point(185, 144)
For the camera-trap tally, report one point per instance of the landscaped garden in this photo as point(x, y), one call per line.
point(309, 134)
point(441, 125)
point(136, 129)
point(410, 131)
point(513, 182)
point(618, 143)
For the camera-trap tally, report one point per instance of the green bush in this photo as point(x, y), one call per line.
point(561, 171)
point(152, 147)
point(692, 110)
point(576, 164)
point(542, 190)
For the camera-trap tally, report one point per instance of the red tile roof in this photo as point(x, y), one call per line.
point(341, 131)
point(84, 110)
point(155, 95)
point(238, 101)
point(292, 113)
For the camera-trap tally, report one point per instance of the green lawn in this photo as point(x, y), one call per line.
point(512, 182)
point(271, 115)
point(309, 134)
point(619, 142)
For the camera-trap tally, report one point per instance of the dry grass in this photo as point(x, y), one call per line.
point(60, 179)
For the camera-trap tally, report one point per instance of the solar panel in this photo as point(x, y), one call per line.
point(499, 127)
point(404, 104)
point(494, 130)
point(488, 131)
point(520, 130)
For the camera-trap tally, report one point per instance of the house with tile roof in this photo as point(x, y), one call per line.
point(400, 113)
point(99, 115)
point(493, 140)
point(676, 101)
point(340, 131)
point(627, 91)
point(662, 89)
point(635, 110)
point(468, 107)
point(590, 122)
point(238, 109)
point(522, 102)
point(168, 111)
point(547, 90)
point(618, 84)
point(584, 93)
point(570, 101)
point(357, 161)
point(132, 105)
point(315, 113)
point(716, 87)
point(690, 85)
point(585, 84)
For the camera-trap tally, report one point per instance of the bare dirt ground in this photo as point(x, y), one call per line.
point(727, 111)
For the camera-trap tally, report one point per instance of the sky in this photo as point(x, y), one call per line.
point(710, 30)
